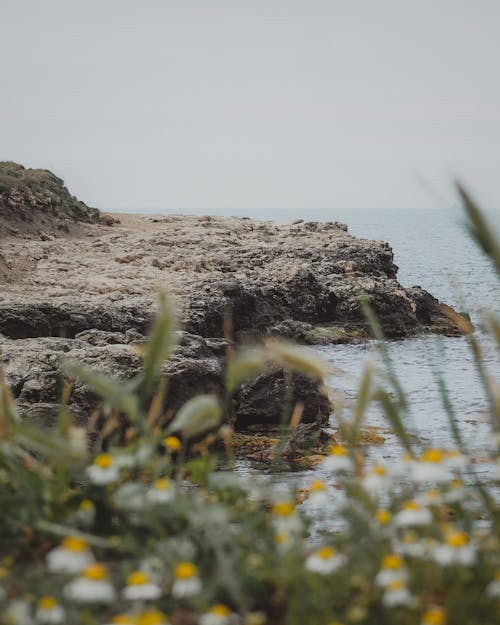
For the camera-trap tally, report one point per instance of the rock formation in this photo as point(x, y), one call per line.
point(86, 291)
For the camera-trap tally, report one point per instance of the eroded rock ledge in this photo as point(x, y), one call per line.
point(86, 292)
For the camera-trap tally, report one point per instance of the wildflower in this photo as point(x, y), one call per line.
point(140, 588)
point(455, 460)
point(103, 470)
point(431, 497)
point(283, 541)
point(218, 614)
point(409, 545)
point(455, 493)
point(18, 613)
point(430, 467)
point(434, 616)
point(324, 561)
point(151, 617)
point(493, 588)
point(383, 516)
point(71, 556)
point(396, 594)
point(93, 586)
point(285, 518)
point(413, 514)
point(392, 570)
point(172, 443)
point(49, 611)
point(338, 459)
point(456, 549)
point(186, 580)
point(161, 491)
point(85, 514)
point(376, 480)
point(318, 493)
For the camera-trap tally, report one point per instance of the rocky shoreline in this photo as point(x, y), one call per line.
point(80, 289)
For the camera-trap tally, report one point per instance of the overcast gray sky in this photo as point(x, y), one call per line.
point(182, 104)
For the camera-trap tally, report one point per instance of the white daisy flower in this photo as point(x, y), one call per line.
point(284, 541)
point(431, 466)
point(396, 594)
point(318, 493)
point(18, 613)
point(338, 459)
point(493, 588)
point(186, 580)
point(285, 518)
point(392, 570)
point(71, 556)
point(457, 549)
point(140, 588)
point(93, 586)
point(49, 611)
point(218, 614)
point(324, 561)
point(454, 459)
point(103, 470)
point(456, 492)
point(161, 491)
point(85, 514)
point(410, 545)
point(412, 514)
point(376, 480)
point(430, 497)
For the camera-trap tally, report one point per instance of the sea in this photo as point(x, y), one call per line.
point(434, 250)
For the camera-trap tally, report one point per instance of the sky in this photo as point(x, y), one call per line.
point(244, 104)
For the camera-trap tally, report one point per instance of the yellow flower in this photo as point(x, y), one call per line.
point(123, 619)
point(219, 609)
point(378, 470)
point(103, 461)
point(338, 450)
point(75, 543)
point(185, 570)
point(151, 617)
point(86, 504)
point(162, 483)
point(283, 508)
point(317, 485)
point(457, 539)
point(137, 578)
point(432, 455)
point(392, 562)
point(95, 572)
point(4, 571)
point(172, 443)
point(383, 516)
point(434, 616)
point(47, 603)
point(325, 552)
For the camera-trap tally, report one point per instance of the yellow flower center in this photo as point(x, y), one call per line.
point(281, 538)
point(95, 572)
point(137, 578)
point(103, 461)
point(47, 603)
point(457, 540)
point(434, 617)
point(432, 455)
point(74, 543)
point(317, 486)
point(185, 570)
point(411, 505)
point(219, 609)
point(338, 450)
point(456, 483)
point(283, 508)
point(383, 516)
point(86, 504)
point(497, 576)
point(397, 584)
point(172, 443)
point(3, 572)
point(162, 484)
point(122, 619)
point(433, 494)
point(409, 538)
point(378, 470)
point(151, 617)
point(392, 562)
point(325, 553)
